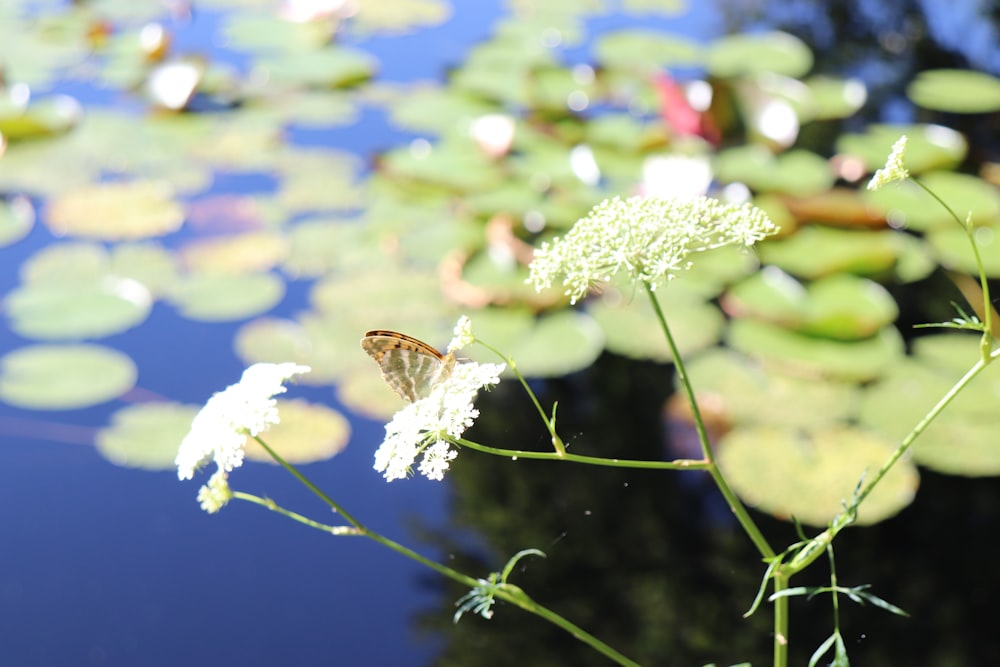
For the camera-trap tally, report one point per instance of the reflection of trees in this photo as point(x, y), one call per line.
point(647, 562)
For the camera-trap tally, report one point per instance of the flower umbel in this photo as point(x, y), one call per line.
point(462, 335)
point(648, 238)
point(213, 496)
point(424, 425)
point(219, 430)
point(893, 169)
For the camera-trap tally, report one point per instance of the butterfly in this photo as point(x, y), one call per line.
point(410, 366)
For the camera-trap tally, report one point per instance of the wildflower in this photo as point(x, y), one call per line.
point(893, 169)
point(462, 335)
point(425, 426)
point(219, 430)
point(214, 495)
point(648, 238)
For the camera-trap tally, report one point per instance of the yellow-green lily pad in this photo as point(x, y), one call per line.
point(799, 354)
point(752, 395)
point(115, 211)
point(962, 439)
point(927, 146)
point(817, 250)
point(17, 217)
point(222, 298)
point(307, 433)
point(64, 377)
point(839, 306)
point(810, 475)
point(84, 310)
point(953, 249)
point(955, 91)
point(742, 54)
point(146, 435)
point(913, 208)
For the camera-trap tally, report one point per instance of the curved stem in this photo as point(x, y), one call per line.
point(679, 464)
point(734, 503)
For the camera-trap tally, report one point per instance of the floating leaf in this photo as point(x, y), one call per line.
point(17, 217)
point(64, 377)
point(113, 211)
point(955, 91)
point(911, 207)
point(251, 252)
point(811, 475)
point(85, 310)
point(308, 432)
point(817, 251)
point(146, 435)
point(741, 54)
point(927, 146)
point(221, 298)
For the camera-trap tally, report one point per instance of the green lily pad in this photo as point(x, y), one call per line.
point(115, 211)
point(84, 310)
point(250, 252)
point(222, 298)
point(911, 207)
point(954, 251)
point(438, 110)
point(816, 250)
point(397, 17)
point(551, 345)
point(832, 98)
point(810, 475)
point(46, 118)
point(743, 54)
point(307, 433)
point(927, 146)
point(796, 172)
point(457, 167)
point(17, 217)
point(632, 330)
point(750, 395)
point(332, 67)
point(955, 91)
point(64, 377)
point(962, 439)
point(145, 435)
point(256, 33)
point(799, 354)
point(839, 306)
point(645, 51)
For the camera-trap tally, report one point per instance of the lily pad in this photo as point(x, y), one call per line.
point(839, 306)
point(307, 433)
point(796, 172)
point(46, 118)
point(17, 217)
point(85, 310)
point(962, 439)
point(645, 51)
point(799, 354)
point(742, 54)
point(927, 146)
point(632, 330)
point(145, 435)
point(251, 252)
point(955, 91)
point(222, 298)
point(64, 377)
point(953, 249)
point(817, 250)
point(332, 67)
point(750, 395)
point(911, 207)
point(810, 475)
point(115, 211)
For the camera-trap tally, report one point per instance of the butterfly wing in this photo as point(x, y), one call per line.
point(411, 367)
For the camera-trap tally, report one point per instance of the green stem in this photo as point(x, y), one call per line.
point(780, 621)
point(734, 503)
point(550, 424)
point(924, 423)
point(519, 598)
point(679, 464)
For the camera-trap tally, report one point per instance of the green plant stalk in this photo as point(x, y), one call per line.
point(751, 529)
point(984, 284)
point(924, 423)
point(678, 464)
point(734, 503)
point(513, 594)
point(550, 423)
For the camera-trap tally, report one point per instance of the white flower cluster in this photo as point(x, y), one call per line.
point(648, 238)
point(220, 429)
point(421, 427)
point(893, 169)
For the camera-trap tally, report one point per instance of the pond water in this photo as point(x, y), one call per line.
point(104, 564)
